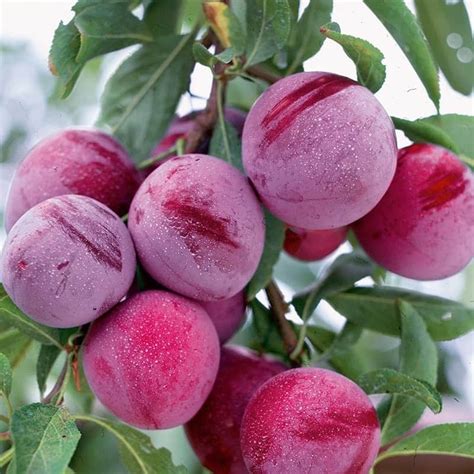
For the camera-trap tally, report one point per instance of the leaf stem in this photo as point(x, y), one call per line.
point(296, 353)
point(220, 114)
point(5, 419)
point(5, 436)
point(279, 308)
point(6, 456)
point(262, 73)
point(151, 161)
point(57, 392)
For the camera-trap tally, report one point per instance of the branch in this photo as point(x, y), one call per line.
point(261, 73)
point(279, 308)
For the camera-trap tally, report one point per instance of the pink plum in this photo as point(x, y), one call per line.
point(214, 432)
point(152, 360)
point(319, 149)
point(423, 228)
point(67, 261)
point(86, 162)
point(310, 245)
point(198, 227)
point(310, 421)
point(227, 315)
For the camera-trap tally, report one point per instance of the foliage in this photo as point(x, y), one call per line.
point(258, 42)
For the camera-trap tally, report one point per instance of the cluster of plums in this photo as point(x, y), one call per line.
point(320, 153)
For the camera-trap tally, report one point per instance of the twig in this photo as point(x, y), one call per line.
point(58, 388)
point(279, 308)
point(4, 436)
point(261, 73)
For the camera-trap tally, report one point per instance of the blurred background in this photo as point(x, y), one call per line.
point(30, 110)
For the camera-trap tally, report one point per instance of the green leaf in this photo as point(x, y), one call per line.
point(418, 359)
point(14, 345)
point(62, 56)
point(5, 376)
point(46, 359)
point(376, 309)
point(274, 238)
point(306, 39)
point(343, 341)
point(162, 16)
point(136, 449)
point(447, 28)
point(268, 28)
point(459, 127)
point(403, 26)
point(421, 131)
point(45, 438)
point(13, 316)
point(391, 381)
point(367, 58)
point(349, 363)
point(203, 56)
point(346, 270)
point(264, 335)
point(140, 99)
point(455, 439)
point(106, 27)
point(225, 144)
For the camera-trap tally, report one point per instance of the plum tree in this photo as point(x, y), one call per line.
point(181, 126)
point(86, 162)
point(152, 360)
point(319, 149)
point(423, 228)
point(309, 420)
point(227, 315)
point(214, 432)
point(67, 261)
point(198, 227)
point(309, 245)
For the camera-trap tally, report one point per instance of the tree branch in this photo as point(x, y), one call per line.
point(261, 73)
point(279, 308)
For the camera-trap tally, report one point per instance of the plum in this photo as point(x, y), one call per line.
point(181, 126)
point(423, 228)
point(152, 360)
point(214, 433)
point(198, 227)
point(310, 245)
point(319, 149)
point(309, 420)
point(227, 315)
point(67, 261)
point(86, 162)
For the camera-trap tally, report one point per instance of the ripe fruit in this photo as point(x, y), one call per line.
point(227, 315)
point(320, 150)
point(423, 228)
point(214, 432)
point(86, 162)
point(198, 227)
point(67, 261)
point(309, 245)
point(310, 421)
point(152, 359)
point(182, 125)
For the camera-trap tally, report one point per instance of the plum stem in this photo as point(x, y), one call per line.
point(279, 308)
point(262, 73)
point(151, 161)
point(57, 392)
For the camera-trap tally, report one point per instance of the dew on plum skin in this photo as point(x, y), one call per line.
point(310, 420)
point(162, 352)
point(66, 256)
point(202, 230)
point(85, 162)
point(214, 432)
point(410, 232)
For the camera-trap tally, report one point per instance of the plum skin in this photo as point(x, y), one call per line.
point(319, 149)
point(214, 433)
point(74, 161)
point(227, 315)
point(67, 261)
point(152, 360)
point(423, 228)
point(198, 227)
point(310, 245)
point(309, 420)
